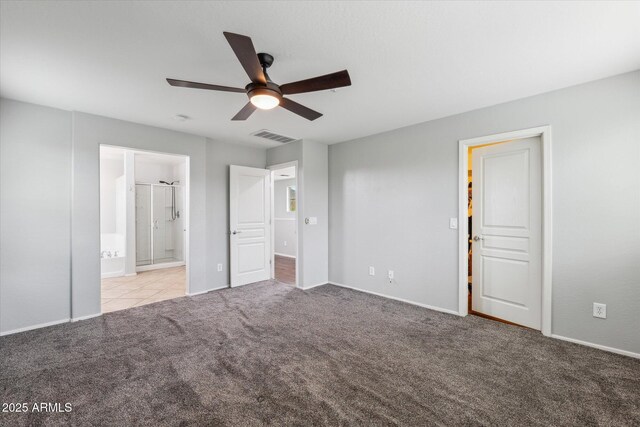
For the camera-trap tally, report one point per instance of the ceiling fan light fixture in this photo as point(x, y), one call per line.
point(265, 101)
point(264, 97)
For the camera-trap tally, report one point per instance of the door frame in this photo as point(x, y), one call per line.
point(273, 219)
point(187, 203)
point(544, 132)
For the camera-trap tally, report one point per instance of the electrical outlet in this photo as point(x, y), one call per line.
point(599, 310)
point(390, 275)
point(219, 267)
point(372, 271)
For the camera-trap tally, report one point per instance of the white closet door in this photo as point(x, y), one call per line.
point(507, 231)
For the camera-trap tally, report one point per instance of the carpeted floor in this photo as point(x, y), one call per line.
point(272, 354)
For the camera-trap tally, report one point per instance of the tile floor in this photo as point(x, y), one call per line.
point(119, 293)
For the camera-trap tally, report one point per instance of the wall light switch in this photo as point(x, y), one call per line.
point(453, 223)
point(390, 274)
point(599, 310)
point(285, 243)
point(219, 267)
point(372, 271)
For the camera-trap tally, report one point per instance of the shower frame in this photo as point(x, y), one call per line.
point(153, 265)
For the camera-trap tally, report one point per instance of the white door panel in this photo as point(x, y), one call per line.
point(249, 211)
point(507, 223)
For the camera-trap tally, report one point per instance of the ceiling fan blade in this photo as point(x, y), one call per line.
point(246, 111)
point(243, 48)
point(329, 81)
point(195, 85)
point(299, 109)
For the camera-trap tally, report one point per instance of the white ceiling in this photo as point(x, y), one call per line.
point(409, 61)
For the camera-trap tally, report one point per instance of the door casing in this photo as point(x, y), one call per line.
point(544, 132)
point(298, 215)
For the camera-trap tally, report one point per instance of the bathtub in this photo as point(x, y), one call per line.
point(112, 255)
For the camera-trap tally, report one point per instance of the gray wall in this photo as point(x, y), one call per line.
point(35, 195)
point(313, 200)
point(392, 194)
point(315, 178)
point(219, 157)
point(50, 208)
point(284, 222)
point(89, 131)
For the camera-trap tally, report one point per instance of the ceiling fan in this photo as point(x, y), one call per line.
point(264, 93)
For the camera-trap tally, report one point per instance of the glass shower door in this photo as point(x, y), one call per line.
point(166, 223)
point(161, 227)
point(143, 224)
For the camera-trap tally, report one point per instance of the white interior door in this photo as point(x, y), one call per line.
point(249, 217)
point(507, 231)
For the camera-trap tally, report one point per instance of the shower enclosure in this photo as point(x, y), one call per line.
point(159, 225)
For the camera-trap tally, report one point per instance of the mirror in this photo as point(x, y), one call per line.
point(291, 199)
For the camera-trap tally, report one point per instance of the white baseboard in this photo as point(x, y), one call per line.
point(245, 284)
point(598, 346)
point(131, 274)
point(160, 266)
point(430, 307)
point(285, 255)
point(306, 288)
point(38, 326)
point(90, 316)
point(208, 290)
point(110, 275)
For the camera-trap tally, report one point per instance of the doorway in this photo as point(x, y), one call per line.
point(505, 228)
point(284, 225)
point(143, 226)
point(255, 221)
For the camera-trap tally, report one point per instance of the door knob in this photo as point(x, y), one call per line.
point(236, 232)
point(476, 238)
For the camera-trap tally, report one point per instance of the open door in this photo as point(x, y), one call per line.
point(507, 231)
point(249, 220)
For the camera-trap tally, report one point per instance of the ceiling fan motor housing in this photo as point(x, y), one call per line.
point(269, 88)
point(265, 59)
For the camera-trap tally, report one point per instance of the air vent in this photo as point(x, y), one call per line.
point(267, 134)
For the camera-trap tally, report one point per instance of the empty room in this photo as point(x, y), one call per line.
point(319, 213)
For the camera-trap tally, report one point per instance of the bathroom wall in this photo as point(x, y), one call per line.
point(150, 172)
point(111, 168)
point(112, 214)
point(180, 224)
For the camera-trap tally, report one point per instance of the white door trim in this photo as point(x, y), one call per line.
point(544, 132)
point(273, 222)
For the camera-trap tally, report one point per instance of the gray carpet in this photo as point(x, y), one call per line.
point(271, 354)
